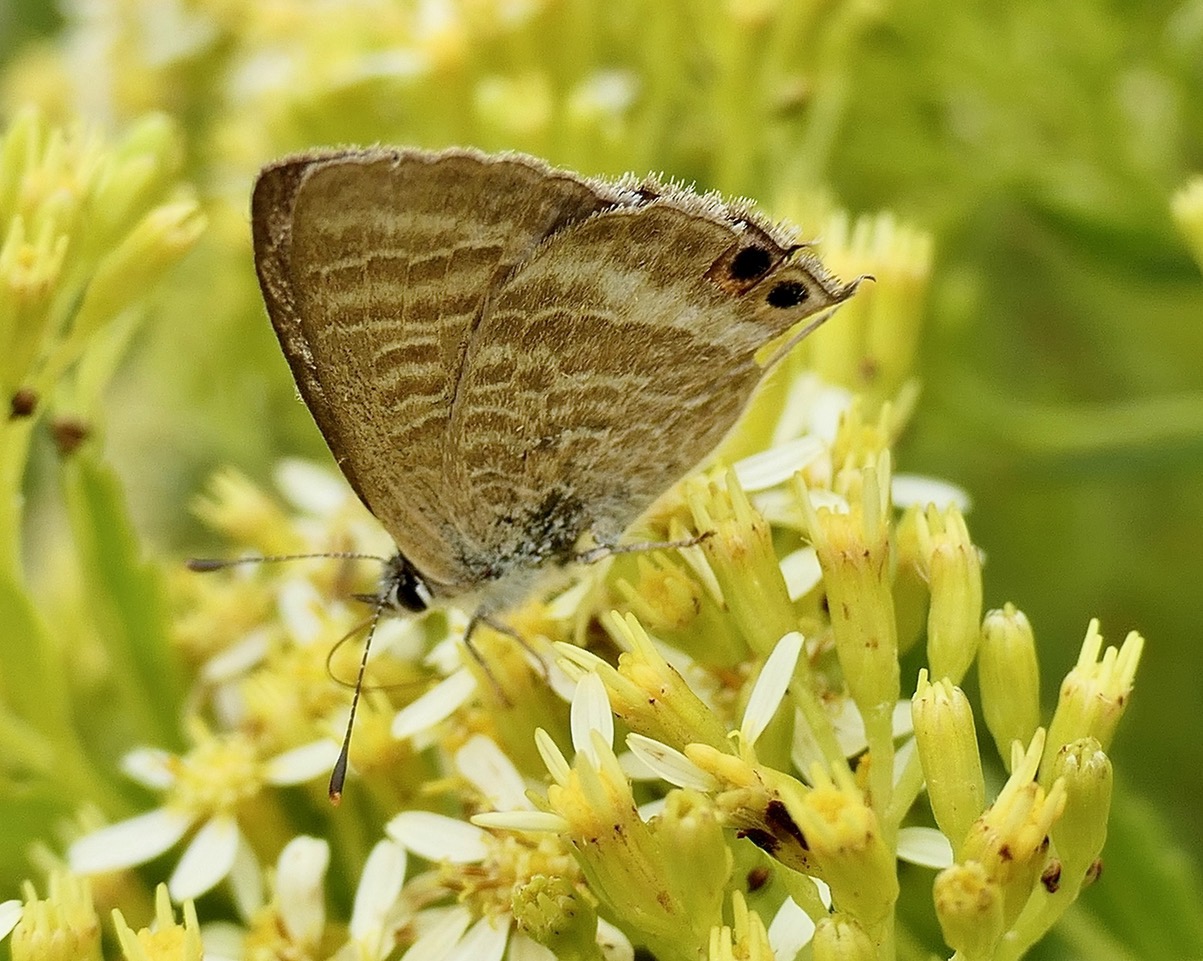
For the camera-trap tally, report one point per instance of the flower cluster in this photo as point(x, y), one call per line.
point(720, 752)
point(766, 780)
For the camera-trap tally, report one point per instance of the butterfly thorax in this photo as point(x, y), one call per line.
point(526, 539)
point(501, 567)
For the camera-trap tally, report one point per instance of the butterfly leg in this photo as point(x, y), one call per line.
point(595, 554)
point(489, 618)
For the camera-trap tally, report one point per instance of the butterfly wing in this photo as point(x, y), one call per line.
point(613, 361)
point(376, 267)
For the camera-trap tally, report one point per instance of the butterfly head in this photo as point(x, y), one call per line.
point(402, 587)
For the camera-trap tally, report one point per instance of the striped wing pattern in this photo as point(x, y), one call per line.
point(503, 356)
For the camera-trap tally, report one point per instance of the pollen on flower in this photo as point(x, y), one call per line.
point(218, 774)
point(489, 886)
point(166, 939)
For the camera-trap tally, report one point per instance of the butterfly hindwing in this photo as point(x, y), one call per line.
point(613, 361)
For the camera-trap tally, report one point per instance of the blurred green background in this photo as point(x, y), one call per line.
point(1039, 143)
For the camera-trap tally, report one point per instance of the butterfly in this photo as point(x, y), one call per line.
point(505, 358)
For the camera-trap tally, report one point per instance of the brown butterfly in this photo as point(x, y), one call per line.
point(505, 357)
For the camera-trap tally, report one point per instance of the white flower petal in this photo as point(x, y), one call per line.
point(902, 722)
point(770, 686)
point(696, 559)
point(793, 412)
point(207, 859)
point(652, 809)
point(300, 889)
point(446, 656)
point(778, 464)
point(670, 764)
point(126, 843)
point(634, 768)
point(523, 948)
point(801, 571)
point(229, 705)
point(376, 896)
point(151, 767)
point(436, 705)
point(238, 658)
point(591, 712)
point(825, 414)
point(790, 931)
point(778, 506)
point(530, 821)
point(311, 488)
point(246, 881)
point(828, 500)
point(805, 750)
point(562, 685)
point(300, 607)
point(565, 605)
point(223, 941)
point(849, 726)
point(484, 941)
point(926, 847)
point(436, 941)
point(615, 946)
point(10, 914)
point(493, 774)
point(915, 490)
point(557, 765)
point(403, 637)
point(438, 838)
point(302, 763)
point(849, 729)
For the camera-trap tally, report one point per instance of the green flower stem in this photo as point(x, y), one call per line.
point(14, 454)
point(905, 793)
point(1083, 930)
point(736, 105)
point(802, 691)
point(825, 111)
point(879, 732)
point(127, 596)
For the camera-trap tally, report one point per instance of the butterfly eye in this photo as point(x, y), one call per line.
point(410, 595)
point(406, 591)
point(750, 263)
point(788, 293)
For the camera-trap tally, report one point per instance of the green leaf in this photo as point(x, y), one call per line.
point(126, 598)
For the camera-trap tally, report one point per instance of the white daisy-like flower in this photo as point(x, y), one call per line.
point(792, 928)
point(293, 922)
point(204, 790)
point(481, 870)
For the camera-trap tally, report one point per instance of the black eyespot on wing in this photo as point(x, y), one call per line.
point(788, 293)
point(750, 263)
point(746, 263)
